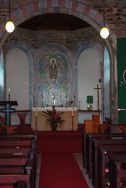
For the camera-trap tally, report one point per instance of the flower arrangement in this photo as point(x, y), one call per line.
point(54, 118)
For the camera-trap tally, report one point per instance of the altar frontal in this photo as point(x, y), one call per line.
point(40, 121)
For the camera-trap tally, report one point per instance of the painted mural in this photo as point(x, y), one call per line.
point(52, 80)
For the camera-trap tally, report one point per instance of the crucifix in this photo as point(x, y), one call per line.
point(98, 103)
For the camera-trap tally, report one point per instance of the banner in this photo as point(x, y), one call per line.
point(121, 66)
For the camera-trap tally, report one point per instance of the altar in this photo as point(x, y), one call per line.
point(40, 122)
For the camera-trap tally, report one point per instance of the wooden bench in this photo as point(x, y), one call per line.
point(117, 171)
point(21, 141)
point(31, 137)
point(12, 179)
point(101, 169)
point(96, 143)
point(87, 145)
point(18, 184)
point(20, 152)
point(18, 166)
point(24, 148)
point(27, 140)
point(20, 144)
point(22, 165)
point(16, 143)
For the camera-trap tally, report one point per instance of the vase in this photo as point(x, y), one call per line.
point(89, 107)
point(54, 127)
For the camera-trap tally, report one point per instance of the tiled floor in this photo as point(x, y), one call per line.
point(78, 157)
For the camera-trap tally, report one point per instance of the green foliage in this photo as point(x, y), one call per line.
point(54, 118)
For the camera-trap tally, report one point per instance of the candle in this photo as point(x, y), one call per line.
point(36, 119)
point(8, 94)
point(36, 113)
point(9, 90)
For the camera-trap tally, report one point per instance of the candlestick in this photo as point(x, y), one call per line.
point(78, 104)
point(72, 113)
point(8, 94)
point(36, 113)
point(54, 102)
point(36, 120)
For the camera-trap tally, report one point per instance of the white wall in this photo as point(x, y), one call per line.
point(88, 76)
point(17, 78)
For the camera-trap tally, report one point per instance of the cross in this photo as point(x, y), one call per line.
point(98, 104)
point(7, 109)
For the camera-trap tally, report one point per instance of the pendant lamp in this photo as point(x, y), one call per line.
point(9, 25)
point(104, 33)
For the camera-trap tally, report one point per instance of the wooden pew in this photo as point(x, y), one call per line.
point(117, 171)
point(15, 143)
point(12, 179)
point(18, 166)
point(22, 165)
point(21, 141)
point(20, 152)
point(31, 137)
point(96, 143)
point(19, 146)
point(9, 154)
point(101, 169)
point(18, 184)
point(87, 145)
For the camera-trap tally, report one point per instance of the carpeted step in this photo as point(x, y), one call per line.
point(60, 142)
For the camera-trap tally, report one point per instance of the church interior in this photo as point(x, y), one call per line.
point(62, 93)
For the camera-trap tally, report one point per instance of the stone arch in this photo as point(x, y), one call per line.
point(70, 7)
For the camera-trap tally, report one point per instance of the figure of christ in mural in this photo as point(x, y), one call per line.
point(53, 80)
point(53, 69)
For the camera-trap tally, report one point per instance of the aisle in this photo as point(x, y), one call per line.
point(60, 170)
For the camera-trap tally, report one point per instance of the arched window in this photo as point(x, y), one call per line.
point(1, 76)
point(106, 95)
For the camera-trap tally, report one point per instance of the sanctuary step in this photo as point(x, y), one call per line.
point(60, 141)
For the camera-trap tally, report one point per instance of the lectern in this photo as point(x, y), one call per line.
point(7, 109)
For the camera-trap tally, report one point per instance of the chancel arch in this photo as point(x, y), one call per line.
point(73, 8)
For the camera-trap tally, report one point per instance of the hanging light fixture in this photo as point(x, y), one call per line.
point(9, 25)
point(104, 33)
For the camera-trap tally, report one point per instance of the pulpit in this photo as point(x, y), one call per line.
point(93, 125)
point(7, 109)
point(40, 122)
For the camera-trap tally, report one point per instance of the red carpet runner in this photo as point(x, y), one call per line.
point(60, 171)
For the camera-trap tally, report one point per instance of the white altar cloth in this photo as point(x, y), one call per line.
point(40, 122)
